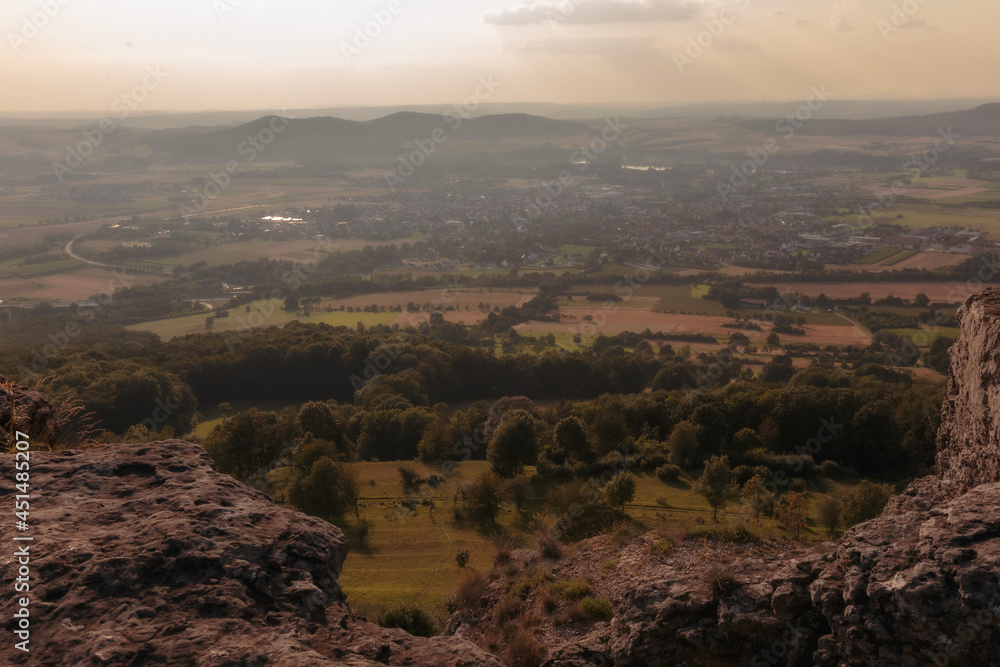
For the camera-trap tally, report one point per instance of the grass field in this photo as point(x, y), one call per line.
point(411, 557)
point(584, 250)
point(878, 256)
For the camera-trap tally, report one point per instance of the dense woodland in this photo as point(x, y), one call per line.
point(403, 394)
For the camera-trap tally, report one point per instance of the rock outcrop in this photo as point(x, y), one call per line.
point(145, 555)
point(969, 438)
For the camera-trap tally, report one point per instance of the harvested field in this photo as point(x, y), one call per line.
point(78, 284)
point(617, 321)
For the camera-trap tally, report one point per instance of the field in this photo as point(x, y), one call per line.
point(939, 292)
point(411, 557)
point(263, 313)
point(76, 284)
point(270, 313)
point(615, 321)
point(878, 256)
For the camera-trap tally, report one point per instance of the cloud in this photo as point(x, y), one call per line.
point(589, 12)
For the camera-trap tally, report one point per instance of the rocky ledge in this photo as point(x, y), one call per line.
point(145, 555)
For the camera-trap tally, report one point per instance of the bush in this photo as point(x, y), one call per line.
point(524, 650)
point(831, 469)
point(469, 591)
point(599, 609)
point(410, 479)
point(365, 528)
point(866, 501)
point(721, 580)
point(574, 589)
point(462, 558)
point(668, 473)
point(412, 618)
point(662, 547)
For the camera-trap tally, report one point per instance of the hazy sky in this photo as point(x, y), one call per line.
point(232, 54)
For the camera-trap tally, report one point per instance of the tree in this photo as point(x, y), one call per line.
point(519, 490)
point(620, 490)
point(571, 440)
point(921, 300)
point(683, 445)
point(866, 501)
point(746, 440)
point(319, 419)
point(437, 442)
point(484, 495)
point(514, 444)
point(792, 516)
point(830, 514)
point(716, 484)
point(249, 441)
point(327, 491)
point(758, 497)
point(500, 409)
point(773, 340)
point(291, 302)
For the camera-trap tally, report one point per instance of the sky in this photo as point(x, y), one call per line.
point(63, 55)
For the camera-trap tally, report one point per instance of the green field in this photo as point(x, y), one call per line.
point(262, 313)
point(411, 557)
point(584, 250)
point(878, 256)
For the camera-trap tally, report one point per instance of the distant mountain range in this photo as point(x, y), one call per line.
point(834, 109)
point(326, 137)
point(982, 121)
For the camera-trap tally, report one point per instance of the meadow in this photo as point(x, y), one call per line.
point(410, 557)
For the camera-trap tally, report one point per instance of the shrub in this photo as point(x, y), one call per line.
point(412, 618)
point(599, 609)
point(623, 531)
point(668, 473)
point(506, 609)
point(469, 592)
point(503, 543)
point(524, 650)
point(410, 479)
point(721, 580)
point(548, 546)
point(574, 589)
point(662, 547)
point(462, 558)
point(365, 528)
point(830, 469)
point(866, 501)
point(523, 587)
